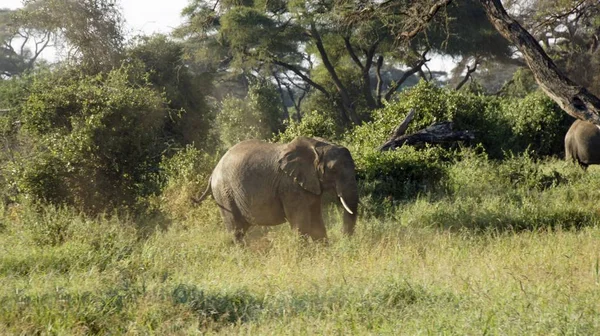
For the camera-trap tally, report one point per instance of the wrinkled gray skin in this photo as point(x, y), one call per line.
point(582, 143)
point(259, 183)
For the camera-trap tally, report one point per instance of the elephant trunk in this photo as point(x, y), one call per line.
point(347, 191)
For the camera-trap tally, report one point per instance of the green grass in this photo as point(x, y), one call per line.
point(502, 251)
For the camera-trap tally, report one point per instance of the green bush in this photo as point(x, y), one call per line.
point(312, 125)
point(532, 127)
point(163, 61)
point(536, 123)
point(471, 173)
point(183, 176)
point(386, 178)
point(433, 104)
point(92, 141)
point(523, 83)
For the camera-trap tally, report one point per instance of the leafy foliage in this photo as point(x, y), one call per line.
point(536, 123)
point(91, 29)
point(94, 139)
point(162, 59)
point(256, 117)
point(312, 125)
point(502, 127)
point(182, 177)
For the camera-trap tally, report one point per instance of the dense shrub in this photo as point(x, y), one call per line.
point(502, 127)
point(183, 177)
point(522, 83)
point(312, 125)
point(92, 141)
point(402, 174)
point(162, 60)
point(432, 104)
point(500, 124)
point(536, 123)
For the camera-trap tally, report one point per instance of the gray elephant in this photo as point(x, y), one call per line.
point(582, 143)
point(260, 183)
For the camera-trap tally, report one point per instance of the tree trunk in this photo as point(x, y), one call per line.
point(574, 99)
point(364, 69)
point(347, 107)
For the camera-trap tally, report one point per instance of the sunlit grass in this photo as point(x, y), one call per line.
point(521, 260)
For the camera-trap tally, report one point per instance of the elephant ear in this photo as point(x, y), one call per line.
point(299, 160)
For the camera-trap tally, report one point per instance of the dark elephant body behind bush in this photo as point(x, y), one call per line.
point(260, 183)
point(582, 143)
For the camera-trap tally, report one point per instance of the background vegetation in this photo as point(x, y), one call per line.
point(103, 151)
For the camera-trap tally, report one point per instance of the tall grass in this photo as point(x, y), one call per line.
point(497, 248)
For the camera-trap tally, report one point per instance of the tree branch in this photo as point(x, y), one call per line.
point(346, 101)
point(407, 35)
point(470, 71)
point(281, 93)
point(406, 75)
point(303, 76)
point(574, 99)
point(379, 80)
point(353, 55)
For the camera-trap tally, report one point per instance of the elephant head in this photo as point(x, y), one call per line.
point(317, 165)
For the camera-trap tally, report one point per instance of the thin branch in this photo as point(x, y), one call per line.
point(303, 76)
point(25, 40)
point(470, 71)
point(346, 107)
point(406, 75)
point(292, 82)
point(559, 16)
point(352, 53)
point(45, 41)
point(407, 35)
point(281, 93)
point(379, 79)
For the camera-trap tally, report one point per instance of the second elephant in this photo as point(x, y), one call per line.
point(582, 143)
point(260, 183)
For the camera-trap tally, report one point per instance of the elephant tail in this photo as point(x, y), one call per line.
point(197, 201)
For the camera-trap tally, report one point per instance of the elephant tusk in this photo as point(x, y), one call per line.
point(346, 206)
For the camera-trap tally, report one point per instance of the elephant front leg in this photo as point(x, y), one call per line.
point(307, 220)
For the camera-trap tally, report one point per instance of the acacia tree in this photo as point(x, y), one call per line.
point(20, 45)
point(89, 32)
point(574, 99)
point(332, 47)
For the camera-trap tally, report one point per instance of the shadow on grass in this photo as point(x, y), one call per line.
point(480, 218)
point(217, 310)
point(103, 312)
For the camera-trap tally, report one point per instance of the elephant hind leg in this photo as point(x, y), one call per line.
point(234, 221)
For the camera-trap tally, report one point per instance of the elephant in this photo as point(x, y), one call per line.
point(265, 184)
point(582, 143)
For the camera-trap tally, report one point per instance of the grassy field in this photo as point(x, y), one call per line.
point(496, 253)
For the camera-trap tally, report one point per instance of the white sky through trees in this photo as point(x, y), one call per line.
point(142, 16)
point(145, 17)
